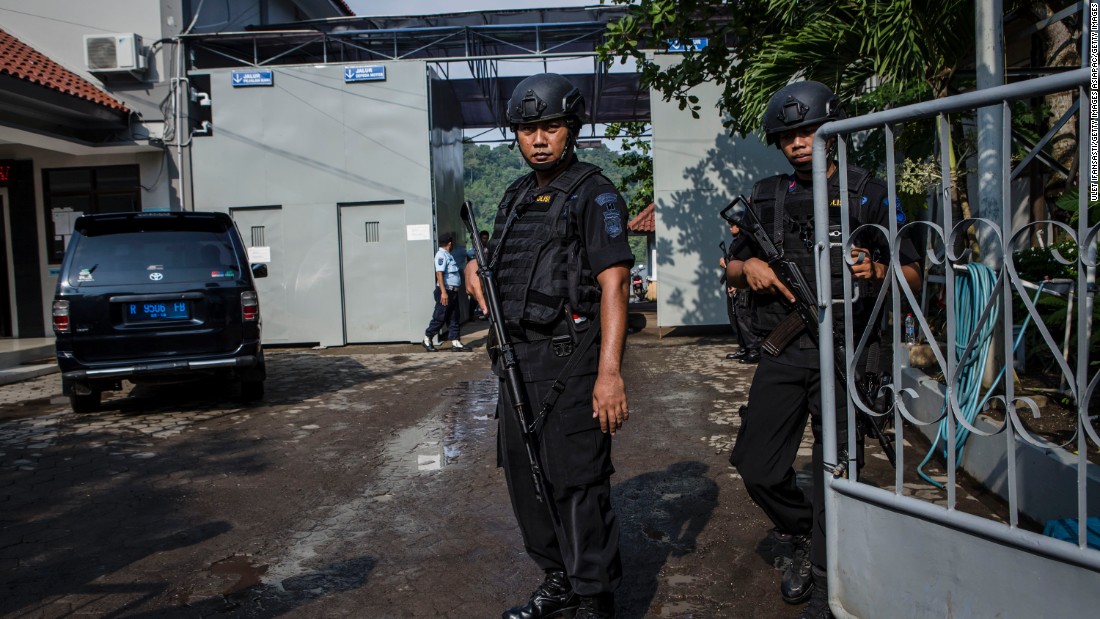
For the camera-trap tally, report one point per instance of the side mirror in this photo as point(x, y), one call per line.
point(259, 269)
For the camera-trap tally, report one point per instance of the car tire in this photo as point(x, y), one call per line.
point(251, 390)
point(83, 404)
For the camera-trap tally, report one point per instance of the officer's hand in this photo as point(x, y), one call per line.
point(762, 278)
point(863, 267)
point(722, 262)
point(609, 402)
point(443, 297)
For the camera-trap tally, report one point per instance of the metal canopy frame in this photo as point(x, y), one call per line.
point(480, 41)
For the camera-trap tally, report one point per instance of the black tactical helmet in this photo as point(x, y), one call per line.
point(800, 104)
point(544, 97)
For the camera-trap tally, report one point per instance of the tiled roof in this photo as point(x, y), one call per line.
point(343, 6)
point(643, 221)
point(24, 62)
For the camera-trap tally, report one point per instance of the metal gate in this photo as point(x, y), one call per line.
point(899, 552)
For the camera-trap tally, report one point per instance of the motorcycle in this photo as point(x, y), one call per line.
point(638, 283)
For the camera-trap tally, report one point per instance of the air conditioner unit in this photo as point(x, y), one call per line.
point(110, 53)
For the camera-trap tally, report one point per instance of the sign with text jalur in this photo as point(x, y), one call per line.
point(253, 78)
point(365, 73)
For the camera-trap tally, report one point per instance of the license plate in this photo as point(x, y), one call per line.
point(156, 311)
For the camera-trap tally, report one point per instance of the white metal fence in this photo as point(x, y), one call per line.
point(902, 552)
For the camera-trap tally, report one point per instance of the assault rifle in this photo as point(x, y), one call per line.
point(506, 350)
point(804, 317)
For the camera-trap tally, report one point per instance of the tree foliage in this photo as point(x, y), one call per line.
point(489, 170)
point(873, 53)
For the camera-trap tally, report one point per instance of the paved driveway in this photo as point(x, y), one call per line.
point(364, 485)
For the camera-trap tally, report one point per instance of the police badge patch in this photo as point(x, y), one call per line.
point(612, 223)
point(612, 220)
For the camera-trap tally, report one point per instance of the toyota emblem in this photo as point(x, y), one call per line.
point(156, 277)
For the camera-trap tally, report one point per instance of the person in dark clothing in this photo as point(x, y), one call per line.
point(561, 262)
point(786, 390)
point(737, 307)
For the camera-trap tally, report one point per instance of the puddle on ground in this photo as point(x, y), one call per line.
point(248, 575)
point(438, 443)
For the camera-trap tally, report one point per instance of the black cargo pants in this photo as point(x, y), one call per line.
point(581, 536)
point(781, 399)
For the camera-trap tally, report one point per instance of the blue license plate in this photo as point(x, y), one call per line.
point(157, 311)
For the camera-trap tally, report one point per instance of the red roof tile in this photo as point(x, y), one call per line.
point(24, 62)
point(643, 221)
point(343, 6)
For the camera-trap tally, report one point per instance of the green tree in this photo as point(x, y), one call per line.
point(875, 54)
point(911, 48)
point(637, 162)
point(489, 170)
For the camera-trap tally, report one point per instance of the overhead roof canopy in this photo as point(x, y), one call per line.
point(478, 41)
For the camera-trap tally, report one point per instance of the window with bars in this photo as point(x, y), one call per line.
point(258, 237)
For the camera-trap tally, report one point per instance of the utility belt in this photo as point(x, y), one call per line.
point(564, 334)
point(451, 288)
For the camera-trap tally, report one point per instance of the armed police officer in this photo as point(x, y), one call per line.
point(561, 263)
point(786, 389)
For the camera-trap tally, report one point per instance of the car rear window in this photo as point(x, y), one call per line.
point(104, 257)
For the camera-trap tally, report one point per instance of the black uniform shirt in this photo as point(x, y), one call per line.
point(599, 213)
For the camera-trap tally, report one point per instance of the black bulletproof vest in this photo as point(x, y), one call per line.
point(540, 262)
point(789, 220)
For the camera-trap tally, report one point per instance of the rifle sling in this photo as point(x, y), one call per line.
point(558, 387)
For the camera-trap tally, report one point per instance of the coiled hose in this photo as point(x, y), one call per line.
point(975, 287)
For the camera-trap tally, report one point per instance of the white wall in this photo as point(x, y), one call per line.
point(307, 144)
point(697, 171)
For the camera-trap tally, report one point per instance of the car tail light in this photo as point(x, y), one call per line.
point(250, 307)
point(61, 316)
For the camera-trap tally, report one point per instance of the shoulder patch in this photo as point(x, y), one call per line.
point(612, 223)
point(607, 199)
point(439, 261)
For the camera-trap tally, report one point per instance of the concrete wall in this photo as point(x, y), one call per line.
point(697, 170)
point(310, 143)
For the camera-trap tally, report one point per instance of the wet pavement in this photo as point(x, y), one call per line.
point(363, 485)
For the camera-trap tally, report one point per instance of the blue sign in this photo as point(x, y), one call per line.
point(680, 46)
point(253, 78)
point(368, 73)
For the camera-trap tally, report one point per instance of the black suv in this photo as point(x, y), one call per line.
point(156, 296)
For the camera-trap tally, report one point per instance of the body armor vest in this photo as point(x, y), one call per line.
point(789, 219)
point(539, 260)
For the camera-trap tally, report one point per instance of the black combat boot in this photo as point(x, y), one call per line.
point(798, 579)
point(553, 598)
point(777, 548)
point(818, 608)
point(597, 607)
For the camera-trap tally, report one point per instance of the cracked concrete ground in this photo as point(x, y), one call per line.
point(363, 485)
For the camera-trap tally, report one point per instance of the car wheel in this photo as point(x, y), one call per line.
point(89, 403)
point(252, 390)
